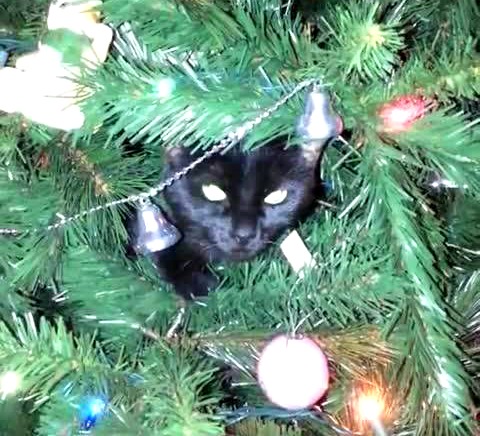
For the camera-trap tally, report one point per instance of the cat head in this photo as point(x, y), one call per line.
point(233, 206)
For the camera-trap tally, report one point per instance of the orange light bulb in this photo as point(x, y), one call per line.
point(370, 407)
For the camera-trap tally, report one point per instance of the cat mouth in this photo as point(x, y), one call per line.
point(239, 255)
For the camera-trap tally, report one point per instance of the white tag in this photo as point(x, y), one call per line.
point(297, 254)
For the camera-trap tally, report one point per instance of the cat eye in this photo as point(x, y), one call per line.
point(213, 193)
point(276, 197)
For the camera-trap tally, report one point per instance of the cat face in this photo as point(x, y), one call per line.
point(233, 206)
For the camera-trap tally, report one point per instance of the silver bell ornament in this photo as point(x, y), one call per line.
point(319, 121)
point(154, 231)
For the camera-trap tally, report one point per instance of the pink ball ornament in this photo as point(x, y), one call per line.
point(293, 372)
point(339, 125)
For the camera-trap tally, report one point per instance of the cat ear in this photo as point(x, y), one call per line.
point(177, 156)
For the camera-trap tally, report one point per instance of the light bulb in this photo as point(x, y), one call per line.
point(9, 383)
point(97, 406)
point(91, 411)
point(370, 407)
point(227, 119)
point(165, 87)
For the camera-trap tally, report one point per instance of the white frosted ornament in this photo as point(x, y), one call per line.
point(293, 372)
point(43, 86)
point(9, 383)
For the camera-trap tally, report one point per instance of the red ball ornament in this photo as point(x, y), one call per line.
point(293, 372)
point(399, 114)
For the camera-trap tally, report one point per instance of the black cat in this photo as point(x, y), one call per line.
point(233, 206)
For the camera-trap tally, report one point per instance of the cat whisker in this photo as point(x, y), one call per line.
point(206, 250)
point(208, 247)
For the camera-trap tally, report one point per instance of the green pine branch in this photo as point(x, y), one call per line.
point(176, 401)
point(387, 256)
point(122, 304)
point(191, 26)
point(48, 359)
point(45, 355)
point(365, 41)
point(25, 18)
point(432, 338)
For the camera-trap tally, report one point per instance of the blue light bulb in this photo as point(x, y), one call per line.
point(97, 406)
point(91, 410)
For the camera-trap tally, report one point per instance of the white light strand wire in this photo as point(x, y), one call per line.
point(230, 140)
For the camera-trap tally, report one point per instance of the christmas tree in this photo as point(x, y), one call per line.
point(93, 340)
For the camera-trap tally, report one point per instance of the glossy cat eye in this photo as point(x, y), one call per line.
point(276, 197)
point(213, 193)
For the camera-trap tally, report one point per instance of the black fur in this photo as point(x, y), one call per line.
point(240, 227)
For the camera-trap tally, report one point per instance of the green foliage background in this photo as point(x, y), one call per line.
point(395, 299)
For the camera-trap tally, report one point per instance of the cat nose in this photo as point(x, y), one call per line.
point(244, 234)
